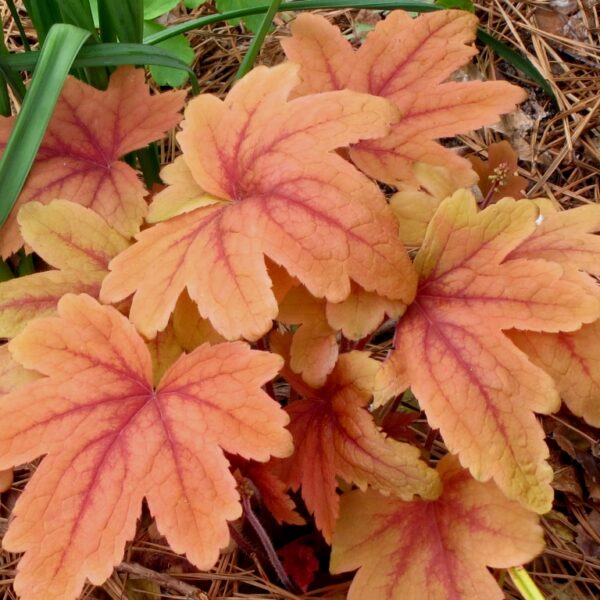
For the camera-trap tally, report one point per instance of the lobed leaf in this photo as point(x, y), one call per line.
point(408, 61)
point(567, 237)
point(284, 194)
point(314, 349)
point(472, 382)
point(111, 439)
point(433, 549)
point(71, 238)
point(335, 437)
point(414, 205)
point(498, 176)
point(78, 159)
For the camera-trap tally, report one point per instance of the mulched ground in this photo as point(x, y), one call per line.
point(559, 151)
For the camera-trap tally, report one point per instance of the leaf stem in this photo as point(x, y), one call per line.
point(263, 536)
point(259, 39)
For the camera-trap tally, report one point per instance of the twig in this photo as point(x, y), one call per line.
point(188, 591)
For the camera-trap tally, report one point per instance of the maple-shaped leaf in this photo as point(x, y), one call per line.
point(498, 175)
point(272, 491)
point(78, 159)
point(73, 239)
point(284, 194)
point(408, 61)
point(433, 549)
point(361, 313)
point(314, 349)
point(414, 205)
point(335, 436)
point(471, 380)
point(111, 439)
point(567, 237)
point(572, 360)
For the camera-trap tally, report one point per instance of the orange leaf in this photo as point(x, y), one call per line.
point(190, 329)
point(472, 382)
point(570, 358)
point(566, 237)
point(408, 61)
point(111, 439)
point(361, 313)
point(336, 437)
point(498, 175)
point(12, 374)
point(433, 549)
point(314, 348)
point(271, 491)
point(414, 207)
point(284, 194)
point(88, 132)
point(69, 237)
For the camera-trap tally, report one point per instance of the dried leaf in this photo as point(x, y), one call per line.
point(472, 382)
point(88, 132)
point(498, 176)
point(336, 437)
point(300, 563)
point(112, 439)
point(284, 194)
point(70, 238)
point(408, 61)
point(433, 549)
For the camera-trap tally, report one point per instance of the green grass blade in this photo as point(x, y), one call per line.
point(520, 577)
point(104, 55)
point(516, 60)
point(43, 14)
point(126, 18)
point(78, 13)
point(5, 108)
point(12, 78)
point(4, 98)
point(301, 5)
point(56, 57)
point(258, 39)
point(14, 13)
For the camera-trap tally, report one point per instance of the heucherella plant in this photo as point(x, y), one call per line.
point(142, 364)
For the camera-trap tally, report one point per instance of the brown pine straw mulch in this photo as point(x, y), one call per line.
point(559, 151)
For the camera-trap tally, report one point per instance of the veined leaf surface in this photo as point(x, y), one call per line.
point(79, 156)
point(73, 239)
point(408, 61)
point(471, 380)
point(284, 194)
point(335, 436)
point(433, 549)
point(112, 438)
